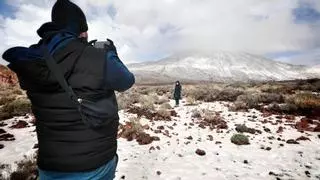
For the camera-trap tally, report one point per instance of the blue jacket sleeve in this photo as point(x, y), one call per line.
point(117, 75)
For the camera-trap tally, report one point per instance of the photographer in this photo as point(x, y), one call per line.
point(68, 147)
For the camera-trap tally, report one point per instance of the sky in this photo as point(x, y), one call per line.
point(146, 30)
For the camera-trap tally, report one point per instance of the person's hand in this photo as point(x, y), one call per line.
point(109, 46)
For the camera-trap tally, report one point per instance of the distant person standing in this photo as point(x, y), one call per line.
point(177, 92)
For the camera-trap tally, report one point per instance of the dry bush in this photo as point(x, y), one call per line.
point(6, 99)
point(211, 93)
point(6, 90)
point(279, 89)
point(161, 90)
point(162, 100)
point(4, 115)
point(207, 93)
point(255, 99)
point(27, 169)
point(17, 91)
point(239, 85)
point(164, 113)
point(165, 106)
point(4, 87)
point(290, 87)
point(316, 85)
point(213, 120)
point(168, 95)
point(306, 104)
point(282, 108)
point(9, 94)
point(250, 100)
point(127, 99)
point(281, 97)
point(147, 103)
point(134, 98)
point(207, 114)
point(18, 107)
point(288, 108)
point(191, 101)
point(309, 85)
point(131, 129)
point(123, 101)
point(195, 113)
point(209, 96)
point(154, 98)
point(239, 106)
point(268, 88)
point(134, 130)
point(145, 90)
point(271, 98)
point(139, 111)
point(190, 91)
point(5, 169)
point(229, 94)
point(136, 124)
point(304, 101)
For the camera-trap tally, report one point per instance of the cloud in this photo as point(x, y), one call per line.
point(21, 30)
point(147, 30)
point(310, 57)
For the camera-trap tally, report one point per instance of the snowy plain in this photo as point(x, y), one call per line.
point(174, 157)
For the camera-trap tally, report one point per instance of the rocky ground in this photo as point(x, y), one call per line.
point(17, 141)
point(192, 147)
point(194, 142)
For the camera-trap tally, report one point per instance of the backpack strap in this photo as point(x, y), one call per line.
point(59, 76)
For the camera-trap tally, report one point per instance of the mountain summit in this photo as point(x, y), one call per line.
point(218, 67)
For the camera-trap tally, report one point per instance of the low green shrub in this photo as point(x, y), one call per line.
point(240, 139)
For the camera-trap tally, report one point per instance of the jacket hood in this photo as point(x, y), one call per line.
point(29, 62)
point(54, 38)
point(22, 54)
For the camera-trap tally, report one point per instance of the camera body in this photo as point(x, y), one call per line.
point(107, 45)
point(100, 44)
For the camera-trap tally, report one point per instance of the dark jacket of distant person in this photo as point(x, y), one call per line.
point(177, 91)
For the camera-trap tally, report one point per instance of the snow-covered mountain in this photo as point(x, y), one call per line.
point(314, 70)
point(220, 67)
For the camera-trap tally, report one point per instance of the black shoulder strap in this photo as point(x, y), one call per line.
point(59, 75)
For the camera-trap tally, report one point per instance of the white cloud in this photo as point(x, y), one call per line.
point(142, 29)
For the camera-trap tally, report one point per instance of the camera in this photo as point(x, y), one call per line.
point(99, 44)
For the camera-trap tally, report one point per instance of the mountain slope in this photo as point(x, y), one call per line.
point(314, 70)
point(7, 76)
point(219, 66)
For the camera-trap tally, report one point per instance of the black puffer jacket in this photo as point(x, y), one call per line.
point(66, 144)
